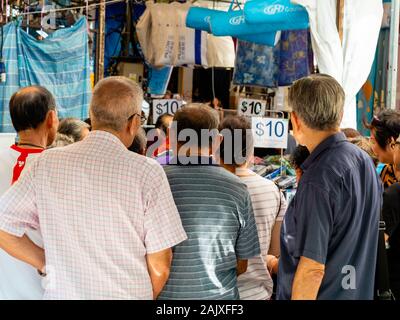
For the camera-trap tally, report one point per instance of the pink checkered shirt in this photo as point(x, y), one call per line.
point(100, 209)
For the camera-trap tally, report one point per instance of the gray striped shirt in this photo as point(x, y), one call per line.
point(217, 215)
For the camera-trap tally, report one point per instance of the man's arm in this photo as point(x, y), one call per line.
point(241, 267)
point(159, 265)
point(307, 280)
point(23, 249)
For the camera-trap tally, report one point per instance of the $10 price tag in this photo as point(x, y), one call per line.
point(252, 107)
point(270, 132)
point(164, 106)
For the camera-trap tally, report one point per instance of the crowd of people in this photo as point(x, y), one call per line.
point(102, 209)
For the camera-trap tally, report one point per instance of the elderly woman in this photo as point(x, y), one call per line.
point(385, 129)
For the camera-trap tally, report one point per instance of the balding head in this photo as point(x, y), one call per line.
point(29, 107)
point(115, 99)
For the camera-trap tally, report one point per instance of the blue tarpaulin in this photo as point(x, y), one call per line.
point(60, 63)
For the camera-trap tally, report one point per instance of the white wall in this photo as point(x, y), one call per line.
point(7, 139)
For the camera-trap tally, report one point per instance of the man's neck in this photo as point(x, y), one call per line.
point(32, 139)
point(315, 138)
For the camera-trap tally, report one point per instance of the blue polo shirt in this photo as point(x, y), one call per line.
point(333, 220)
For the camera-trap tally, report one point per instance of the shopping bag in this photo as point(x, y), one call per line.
point(281, 13)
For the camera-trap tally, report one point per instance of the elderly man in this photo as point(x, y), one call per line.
point(216, 212)
point(330, 232)
point(107, 229)
point(34, 117)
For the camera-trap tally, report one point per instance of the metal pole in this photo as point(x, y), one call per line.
point(393, 55)
point(100, 43)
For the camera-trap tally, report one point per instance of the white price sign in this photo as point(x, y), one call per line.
point(252, 107)
point(270, 132)
point(164, 106)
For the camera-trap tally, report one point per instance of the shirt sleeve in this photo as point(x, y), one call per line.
point(247, 244)
point(18, 210)
point(314, 223)
point(282, 207)
point(162, 224)
point(391, 209)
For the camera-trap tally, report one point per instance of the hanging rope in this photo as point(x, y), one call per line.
point(87, 6)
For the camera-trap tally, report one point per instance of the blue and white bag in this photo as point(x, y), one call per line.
point(281, 13)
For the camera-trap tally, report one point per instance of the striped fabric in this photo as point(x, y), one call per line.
point(269, 206)
point(60, 63)
point(217, 215)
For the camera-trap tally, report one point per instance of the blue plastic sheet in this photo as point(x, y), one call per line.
point(60, 63)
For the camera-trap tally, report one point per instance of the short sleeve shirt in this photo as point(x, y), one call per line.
point(333, 220)
point(217, 215)
point(101, 209)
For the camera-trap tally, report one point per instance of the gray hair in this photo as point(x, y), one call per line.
point(318, 100)
point(115, 99)
point(72, 127)
point(61, 140)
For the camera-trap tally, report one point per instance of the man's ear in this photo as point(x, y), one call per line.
point(133, 125)
point(295, 121)
point(51, 119)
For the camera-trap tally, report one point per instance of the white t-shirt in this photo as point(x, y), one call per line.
point(18, 280)
point(269, 206)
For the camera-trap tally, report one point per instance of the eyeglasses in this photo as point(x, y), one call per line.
point(143, 118)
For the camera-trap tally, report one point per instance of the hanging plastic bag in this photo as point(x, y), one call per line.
point(220, 52)
point(165, 39)
point(234, 23)
point(192, 44)
point(281, 13)
point(199, 18)
point(143, 31)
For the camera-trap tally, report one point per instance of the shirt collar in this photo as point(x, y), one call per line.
point(193, 161)
point(323, 146)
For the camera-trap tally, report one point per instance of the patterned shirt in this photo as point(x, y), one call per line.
point(216, 212)
point(100, 213)
point(269, 206)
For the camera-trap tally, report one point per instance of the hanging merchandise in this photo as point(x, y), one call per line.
point(264, 66)
point(200, 19)
point(234, 23)
point(220, 52)
point(159, 79)
point(165, 39)
point(60, 63)
point(349, 63)
point(296, 59)
point(256, 65)
point(277, 12)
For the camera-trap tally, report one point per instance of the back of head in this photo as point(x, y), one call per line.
point(196, 119)
point(114, 101)
point(30, 106)
point(139, 143)
point(238, 145)
point(299, 155)
point(351, 133)
point(61, 140)
point(163, 122)
point(72, 127)
point(318, 100)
